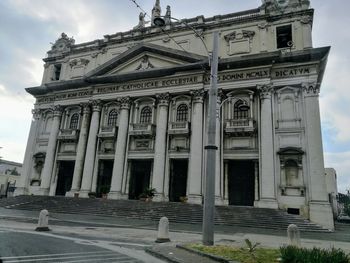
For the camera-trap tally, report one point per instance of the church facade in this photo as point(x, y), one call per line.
point(128, 112)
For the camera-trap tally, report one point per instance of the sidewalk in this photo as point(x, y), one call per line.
point(111, 228)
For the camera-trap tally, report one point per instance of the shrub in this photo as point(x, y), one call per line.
point(291, 254)
point(347, 209)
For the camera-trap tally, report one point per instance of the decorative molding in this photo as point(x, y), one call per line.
point(96, 105)
point(79, 62)
point(239, 35)
point(310, 89)
point(263, 25)
point(306, 20)
point(198, 95)
point(125, 102)
point(265, 91)
point(36, 114)
point(163, 99)
point(85, 107)
point(57, 110)
point(145, 64)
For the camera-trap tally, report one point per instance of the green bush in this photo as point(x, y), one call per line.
point(290, 254)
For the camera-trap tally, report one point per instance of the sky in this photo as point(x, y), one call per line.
point(28, 27)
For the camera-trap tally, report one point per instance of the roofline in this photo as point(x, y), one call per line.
point(241, 62)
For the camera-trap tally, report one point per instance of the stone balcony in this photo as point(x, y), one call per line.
point(179, 128)
point(68, 134)
point(240, 127)
point(142, 129)
point(108, 132)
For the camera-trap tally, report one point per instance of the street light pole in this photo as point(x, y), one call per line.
point(211, 148)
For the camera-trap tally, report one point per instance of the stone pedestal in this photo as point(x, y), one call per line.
point(163, 231)
point(90, 150)
point(119, 158)
point(50, 152)
point(43, 222)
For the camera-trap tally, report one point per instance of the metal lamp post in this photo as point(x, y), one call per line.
point(211, 148)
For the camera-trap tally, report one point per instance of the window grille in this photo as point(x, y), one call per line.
point(112, 118)
point(182, 113)
point(238, 113)
point(146, 115)
point(74, 120)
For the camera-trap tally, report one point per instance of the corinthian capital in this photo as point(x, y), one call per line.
point(36, 114)
point(57, 110)
point(265, 91)
point(163, 99)
point(310, 89)
point(96, 105)
point(198, 95)
point(125, 102)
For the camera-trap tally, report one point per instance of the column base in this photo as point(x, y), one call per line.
point(116, 195)
point(84, 193)
point(219, 200)
point(266, 203)
point(321, 213)
point(43, 191)
point(73, 193)
point(159, 198)
point(195, 199)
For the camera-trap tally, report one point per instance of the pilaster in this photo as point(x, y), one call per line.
point(306, 23)
point(194, 189)
point(160, 147)
point(91, 149)
point(50, 151)
point(320, 209)
point(120, 152)
point(23, 184)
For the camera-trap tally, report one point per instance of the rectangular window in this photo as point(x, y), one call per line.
point(284, 36)
point(57, 71)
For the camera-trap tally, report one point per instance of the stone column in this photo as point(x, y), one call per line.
point(320, 209)
point(160, 147)
point(90, 150)
point(267, 174)
point(81, 149)
point(306, 23)
point(194, 189)
point(120, 150)
point(50, 152)
point(23, 184)
point(218, 179)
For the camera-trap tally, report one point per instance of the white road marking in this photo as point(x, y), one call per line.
point(61, 254)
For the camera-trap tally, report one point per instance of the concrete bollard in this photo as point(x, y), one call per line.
point(293, 235)
point(43, 222)
point(163, 230)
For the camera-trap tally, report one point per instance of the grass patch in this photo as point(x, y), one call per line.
point(262, 255)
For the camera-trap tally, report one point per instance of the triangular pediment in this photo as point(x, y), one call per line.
point(145, 57)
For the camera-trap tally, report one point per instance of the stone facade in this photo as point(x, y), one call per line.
point(128, 112)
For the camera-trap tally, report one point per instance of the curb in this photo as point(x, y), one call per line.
point(160, 256)
point(215, 258)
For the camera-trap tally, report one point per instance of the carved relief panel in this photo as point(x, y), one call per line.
point(288, 108)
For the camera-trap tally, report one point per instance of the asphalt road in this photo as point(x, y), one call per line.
point(29, 246)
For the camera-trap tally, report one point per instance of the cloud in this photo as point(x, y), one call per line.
point(15, 116)
point(340, 161)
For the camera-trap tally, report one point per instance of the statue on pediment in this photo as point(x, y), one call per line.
point(145, 64)
point(283, 6)
point(62, 44)
point(142, 21)
point(156, 11)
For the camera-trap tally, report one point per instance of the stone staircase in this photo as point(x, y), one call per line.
point(175, 212)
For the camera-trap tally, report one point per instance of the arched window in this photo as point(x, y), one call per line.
point(74, 121)
point(182, 113)
point(112, 118)
point(238, 112)
point(146, 115)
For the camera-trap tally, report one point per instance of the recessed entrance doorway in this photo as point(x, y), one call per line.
point(64, 177)
point(104, 178)
point(241, 182)
point(139, 177)
point(178, 179)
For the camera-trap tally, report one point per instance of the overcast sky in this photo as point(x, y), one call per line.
point(27, 27)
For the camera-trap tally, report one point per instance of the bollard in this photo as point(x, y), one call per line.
point(163, 230)
point(43, 223)
point(293, 235)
